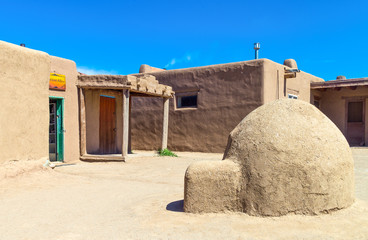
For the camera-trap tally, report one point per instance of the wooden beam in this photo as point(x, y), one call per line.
point(82, 122)
point(165, 123)
point(125, 116)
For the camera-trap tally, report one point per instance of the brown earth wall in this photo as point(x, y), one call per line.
point(333, 105)
point(226, 94)
point(71, 121)
point(276, 86)
point(24, 112)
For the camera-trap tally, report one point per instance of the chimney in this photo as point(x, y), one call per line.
point(257, 46)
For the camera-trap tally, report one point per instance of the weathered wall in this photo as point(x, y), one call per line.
point(332, 104)
point(226, 94)
point(276, 86)
point(70, 95)
point(24, 112)
point(92, 98)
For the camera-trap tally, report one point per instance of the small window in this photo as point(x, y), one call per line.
point(292, 96)
point(186, 101)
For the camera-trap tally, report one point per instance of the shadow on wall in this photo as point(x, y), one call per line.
point(176, 206)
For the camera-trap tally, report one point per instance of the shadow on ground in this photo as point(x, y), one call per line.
point(176, 206)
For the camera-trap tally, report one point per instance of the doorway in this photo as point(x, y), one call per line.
point(107, 125)
point(355, 122)
point(56, 129)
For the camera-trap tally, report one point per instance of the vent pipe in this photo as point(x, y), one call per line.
point(257, 46)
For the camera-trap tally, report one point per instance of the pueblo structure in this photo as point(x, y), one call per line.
point(284, 157)
point(50, 111)
point(211, 100)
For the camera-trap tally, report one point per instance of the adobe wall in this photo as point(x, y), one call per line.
point(24, 112)
point(226, 94)
point(71, 120)
point(332, 104)
point(276, 86)
point(92, 98)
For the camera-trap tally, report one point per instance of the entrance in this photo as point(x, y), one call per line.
point(355, 123)
point(56, 129)
point(107, 125)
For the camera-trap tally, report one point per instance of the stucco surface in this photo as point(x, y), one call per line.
point(24, 112)
point(226, 94)
point(293, 159)
point(276, 86)
point(224, 176)
point(70, 95)
point(333, 104)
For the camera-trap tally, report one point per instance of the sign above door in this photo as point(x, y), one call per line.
point(57, 82)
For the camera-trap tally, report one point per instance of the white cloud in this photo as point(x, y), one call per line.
point(90, 71)
point(173, 61)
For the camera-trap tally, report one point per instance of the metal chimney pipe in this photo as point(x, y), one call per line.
point(257, 46)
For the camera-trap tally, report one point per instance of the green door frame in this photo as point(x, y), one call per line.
point(60, 127)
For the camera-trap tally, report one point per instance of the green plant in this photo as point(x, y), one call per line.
point(166, 152)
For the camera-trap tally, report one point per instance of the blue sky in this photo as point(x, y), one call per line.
point(326, 38)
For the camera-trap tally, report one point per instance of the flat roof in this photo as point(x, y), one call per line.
point(354, 82)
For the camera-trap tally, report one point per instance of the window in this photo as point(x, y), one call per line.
point(355, 112)
point(292, 96)
point(186, 101)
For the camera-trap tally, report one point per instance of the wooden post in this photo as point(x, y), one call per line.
point(130, 125)
point(165, 123)
point(82, 122)
point(125, 111)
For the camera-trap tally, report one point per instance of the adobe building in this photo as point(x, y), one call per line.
point(211, 100)
point(345, 102)
point(50, 111)
point(39, 114)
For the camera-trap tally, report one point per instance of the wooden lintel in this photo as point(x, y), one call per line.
point(290, 75)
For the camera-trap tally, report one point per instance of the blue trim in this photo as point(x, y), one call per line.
point(53, 97)
point(60, 152)
point(107, 96)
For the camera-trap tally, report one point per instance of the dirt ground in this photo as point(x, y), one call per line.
point(142, 199)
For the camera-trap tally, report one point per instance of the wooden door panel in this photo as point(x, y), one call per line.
point(107, 125)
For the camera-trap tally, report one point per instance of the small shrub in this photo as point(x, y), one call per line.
point(166, 152)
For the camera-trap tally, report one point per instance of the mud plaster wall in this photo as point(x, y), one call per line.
point(70, 95)
point(276, 87)
point(92, 98)
point(332, 104)
point(24, 112)
point(226, 94)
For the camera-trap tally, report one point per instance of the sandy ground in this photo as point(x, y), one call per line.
point(142, 199)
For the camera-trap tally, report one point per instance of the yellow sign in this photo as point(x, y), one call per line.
point(57, 82)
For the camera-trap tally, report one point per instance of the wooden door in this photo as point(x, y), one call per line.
point(107, 125)
point(355, 123)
